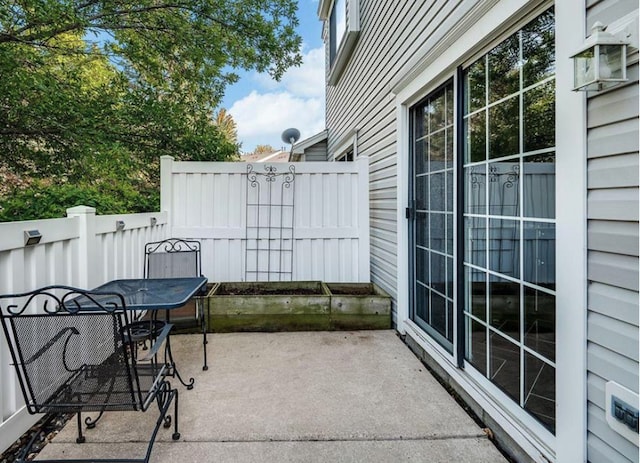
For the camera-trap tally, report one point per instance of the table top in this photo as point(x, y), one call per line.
point(151, 293)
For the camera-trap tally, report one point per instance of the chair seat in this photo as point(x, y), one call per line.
point(109, 386)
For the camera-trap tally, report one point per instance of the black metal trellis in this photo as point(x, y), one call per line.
point(269, 224)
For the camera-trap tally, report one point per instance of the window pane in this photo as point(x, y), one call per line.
point(437, 111)
point(476, 351)
point(422, 192)
point(538, 49)
point(476, 141)
point(420, 156)
point(437, 144)
point(449, 97)
point(505, 365)
point(422, 265)
point(504, 129)
point(504, 188)
point(540, 117)
point(504, 69)
point(422, 302)
point(450, 321)
point(540, 185)
point(420, 123)
point(449, 150)
point(475, 186)
point(504, 306)
point(449, 285)
point(439, 314)
point(438, 272)
point(437, 232)
point(476, 289)
point(540, 322)
point(437, 192)
point(340, 10)
point(449, 234)
point(475, 86)
point(475, 241)
point(539, 254)
point(504, 247)
point(540, 390)
point(449, 188)
point(422, 229)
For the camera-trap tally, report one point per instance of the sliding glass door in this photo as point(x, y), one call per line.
point(506, 221)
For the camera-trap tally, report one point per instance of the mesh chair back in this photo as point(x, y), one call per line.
point(69, 358)
point(172, 258)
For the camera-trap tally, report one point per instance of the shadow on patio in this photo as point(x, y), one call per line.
point(289, 397)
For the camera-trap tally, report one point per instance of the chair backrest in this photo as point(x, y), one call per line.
point(70, 350)
point(172, 258)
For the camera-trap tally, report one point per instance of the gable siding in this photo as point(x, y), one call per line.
point(317, 152)
point(612, 237)
point(391, 35)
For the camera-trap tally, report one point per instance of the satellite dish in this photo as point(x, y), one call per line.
point(291, 136)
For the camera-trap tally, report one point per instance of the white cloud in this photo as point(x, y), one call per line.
point(297, 101)
point(305, 80)
point(261, 118)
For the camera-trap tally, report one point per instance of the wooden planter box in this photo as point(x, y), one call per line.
point(297, 306)
point(359, 306)
point(269, 306)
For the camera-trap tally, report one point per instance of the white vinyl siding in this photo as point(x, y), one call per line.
point(612, 236)
point(392, 35)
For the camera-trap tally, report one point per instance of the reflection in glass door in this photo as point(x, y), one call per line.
point(431, 218)
point(509, 217)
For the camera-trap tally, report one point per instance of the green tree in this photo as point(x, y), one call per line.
point(83, 115)
point(264, 149)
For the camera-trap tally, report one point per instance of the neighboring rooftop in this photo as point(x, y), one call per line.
point(277, 156)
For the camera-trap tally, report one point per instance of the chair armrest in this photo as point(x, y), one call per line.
point(158, 341)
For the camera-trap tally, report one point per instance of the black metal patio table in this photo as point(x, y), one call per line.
point(153, 295)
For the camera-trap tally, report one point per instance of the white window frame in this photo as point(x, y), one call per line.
point(345, 48)
point(489, 23)
point(347, 143)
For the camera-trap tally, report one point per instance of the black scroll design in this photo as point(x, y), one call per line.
point(269, 222)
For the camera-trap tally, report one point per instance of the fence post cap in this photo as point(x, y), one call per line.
point(81, 210)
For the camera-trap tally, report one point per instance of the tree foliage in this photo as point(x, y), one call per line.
point(92, 93)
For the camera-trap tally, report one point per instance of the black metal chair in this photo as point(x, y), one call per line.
point(176, 258)
point(73, 353)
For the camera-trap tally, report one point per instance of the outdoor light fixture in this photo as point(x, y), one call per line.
point(119, 225)
point(32, 237)
point(601, 63)
point(153, 221)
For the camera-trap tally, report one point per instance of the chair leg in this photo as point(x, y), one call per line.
point(172, 394)
point(176, 434)
point(205, 367)
point(80, 439)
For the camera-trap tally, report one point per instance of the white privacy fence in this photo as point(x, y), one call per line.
point(330, 218)
point(82, 250)
point(325, 232)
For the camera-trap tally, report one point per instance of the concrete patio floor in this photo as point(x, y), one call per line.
point(296, 397)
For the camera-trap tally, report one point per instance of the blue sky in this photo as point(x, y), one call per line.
point(262, 108)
